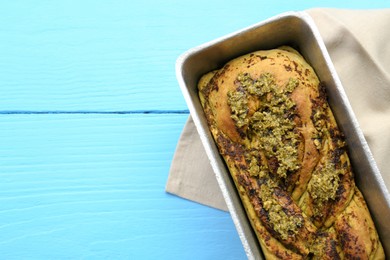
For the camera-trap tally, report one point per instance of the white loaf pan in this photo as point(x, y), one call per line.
point(299, 31)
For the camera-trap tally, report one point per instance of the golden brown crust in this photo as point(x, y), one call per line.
point(270, 118)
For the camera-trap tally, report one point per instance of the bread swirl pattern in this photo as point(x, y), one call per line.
point(270, 118)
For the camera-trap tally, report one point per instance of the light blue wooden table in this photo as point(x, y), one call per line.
point(90, 113)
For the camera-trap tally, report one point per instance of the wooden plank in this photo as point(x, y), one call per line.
point(99, 55)
point(92, 186)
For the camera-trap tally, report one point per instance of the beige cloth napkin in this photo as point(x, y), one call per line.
point(358, 42)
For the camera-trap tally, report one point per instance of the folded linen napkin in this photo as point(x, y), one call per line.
point(358, 42)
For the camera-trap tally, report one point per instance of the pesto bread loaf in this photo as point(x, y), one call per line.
point(273, 126)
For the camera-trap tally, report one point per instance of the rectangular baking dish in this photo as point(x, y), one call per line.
point(298, 30)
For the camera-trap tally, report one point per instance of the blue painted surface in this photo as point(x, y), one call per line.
point(92, 186)
point(90, 113)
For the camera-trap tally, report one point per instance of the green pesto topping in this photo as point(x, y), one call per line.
point(284, 224)
point(323, 185)
point(319, 121)
point(276, 131)
point(320, 125)
point(238, 102)
point(256, 168)
point(261, 86)
point(317, 139)
point(271, 124)
point(245, 80)
point(291, 85)
point(273, 133)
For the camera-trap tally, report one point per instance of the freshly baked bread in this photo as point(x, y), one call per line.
point(273, 126)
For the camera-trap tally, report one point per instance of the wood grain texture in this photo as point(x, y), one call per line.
point(92, 186)
point(115, 56)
